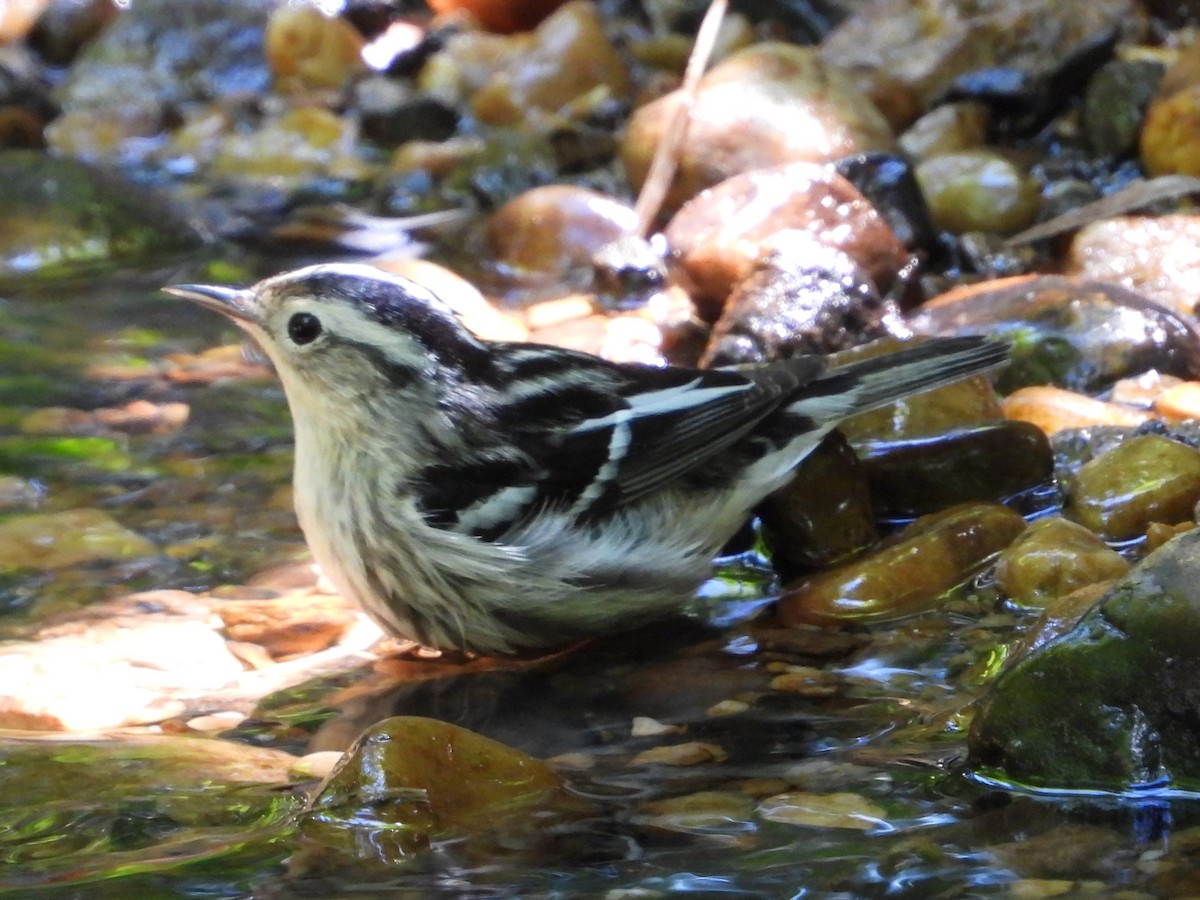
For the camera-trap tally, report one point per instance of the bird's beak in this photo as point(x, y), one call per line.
point(239, 305)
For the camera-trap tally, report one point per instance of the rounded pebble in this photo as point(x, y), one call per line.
point(908, 576)
point(1148, 478)
point(978, 190)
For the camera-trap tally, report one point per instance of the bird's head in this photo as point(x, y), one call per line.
point(338, 333)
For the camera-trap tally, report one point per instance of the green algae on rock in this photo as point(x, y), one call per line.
point(1111, 704)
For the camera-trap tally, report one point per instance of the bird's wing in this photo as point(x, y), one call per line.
point(593, 434)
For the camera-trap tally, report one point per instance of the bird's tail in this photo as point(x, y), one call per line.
point(870, 383)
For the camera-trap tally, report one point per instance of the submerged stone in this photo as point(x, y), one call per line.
point(61, 539)
point(410, 781)
point(838, 810)
point(1111, 704)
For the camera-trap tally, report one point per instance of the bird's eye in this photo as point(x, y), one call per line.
point(304, 328)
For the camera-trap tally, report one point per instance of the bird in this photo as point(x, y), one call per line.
point(509, 498)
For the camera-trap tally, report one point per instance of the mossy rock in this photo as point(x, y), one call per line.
point(1113, 704)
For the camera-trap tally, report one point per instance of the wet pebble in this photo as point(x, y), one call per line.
point(63, 28)
point(410, 780)
point(553, 230)
point(1071, 332)
point(824, 515)
point(1158, 256)
point(136, 417)
point(978, 190)
point(807, 681)
point(212, 365)
point(949, 128)
point(719, 235)
point(991, 461)
point(907, 575)
point(927, 53)
point(19, 493)
point(1170, 135)
point(393, 112)
point(1158, 533)
point(769, 104)
point(1115, 102)
point(1053, 409)
point(1106, 705)
point(294, 147)
point(801, 296)
point(155, 57)
point(16, 19)
point(1142, 391)
point(567, 59)
point(704, 811)
point(1052, 558)
point(1178, 402)
point(1148, 478)
point(287, 626)
point(500, 15)
point(307, 49)
point(691, 753)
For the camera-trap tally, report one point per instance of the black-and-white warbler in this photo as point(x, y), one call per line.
point(499, 497)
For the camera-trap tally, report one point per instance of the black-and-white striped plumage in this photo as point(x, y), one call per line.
point(499, 497)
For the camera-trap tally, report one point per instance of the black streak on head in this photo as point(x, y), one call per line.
point(408, 307)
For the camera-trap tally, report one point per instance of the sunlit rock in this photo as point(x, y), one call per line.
point(771, 103)
point(1148, 478)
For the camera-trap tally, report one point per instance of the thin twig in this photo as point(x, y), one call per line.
point(666, 155)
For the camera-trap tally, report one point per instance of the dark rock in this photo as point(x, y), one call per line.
point(65, 26)
point(824, 516)
point(392, 112)
point(992, 461)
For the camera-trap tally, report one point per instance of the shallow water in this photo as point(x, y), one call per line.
point(880, 718)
